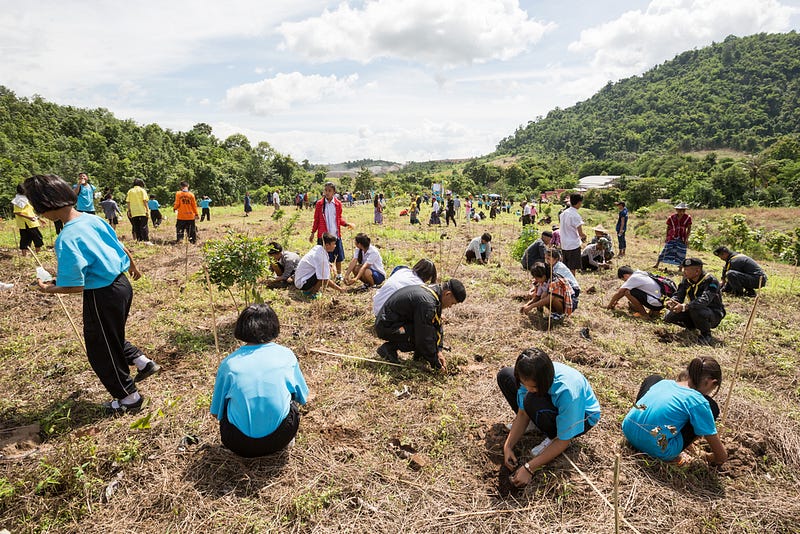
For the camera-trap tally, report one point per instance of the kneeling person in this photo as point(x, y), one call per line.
point(643, 293)
point(283, 264)
point(366, 265)
point(479, 249)
point(704, 309)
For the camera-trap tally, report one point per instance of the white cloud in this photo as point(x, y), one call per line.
point(442, 33)
point(639, 39)
point(280, 93)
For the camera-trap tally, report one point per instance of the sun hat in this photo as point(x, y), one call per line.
point(682, 206)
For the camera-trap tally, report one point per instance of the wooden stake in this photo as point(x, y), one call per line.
point(791, 283)
point(186, 257)
point(347, 356)
point(616, 493)
point(213, 312)
point(63, 307)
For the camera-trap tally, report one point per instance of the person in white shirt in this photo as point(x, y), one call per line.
point(479, 249)
point(526, 214)
point(366, 265)
point(423, 272)
point(571, 232)
point(643, 293)
point(435, 213)
point(276, 201)
point(593, 257)
point(314, 268)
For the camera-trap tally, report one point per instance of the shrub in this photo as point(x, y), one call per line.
point(237, 261)
point(527, 237)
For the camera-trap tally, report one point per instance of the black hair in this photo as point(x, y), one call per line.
point(547, 233)
point(330, 184)
point(486, 237)
point(328, 238)
point(535, 365)
point(625, 269)
point(363, 239)
point(554, 253)
point(457, 288)
point(721, 250)
point(152, 196)
point(47, 192)
point(376, 201)
point(107, 197)
point(20, 189)
point(184, 184)
point(257, 323)
point(425, 270)
point(273, 247)
point(575, 198)
point(138, 181)
point(704, 367)
point(540, 270)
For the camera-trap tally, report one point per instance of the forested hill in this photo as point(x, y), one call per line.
point(742, 94)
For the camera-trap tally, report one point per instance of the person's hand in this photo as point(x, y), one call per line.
point(509, 457)
point(350, 225)
point(311, 238)
point(521, 477)
point(134, 272)
point(442, 361)
point(44, 285)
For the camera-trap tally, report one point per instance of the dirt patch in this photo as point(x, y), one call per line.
point(19, 442)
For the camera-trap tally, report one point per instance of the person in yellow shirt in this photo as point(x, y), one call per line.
point(137, 210)
point(27, 222)
point(186, 208)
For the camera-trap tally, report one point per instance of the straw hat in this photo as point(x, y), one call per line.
point(599, 228)
point(682, 206)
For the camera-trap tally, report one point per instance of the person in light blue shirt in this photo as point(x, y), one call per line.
point(205, 205)
point(155, 211)
point(85, 193)
point(92, 261)
point(258, 387)
point(668, 415)
point(550, 396)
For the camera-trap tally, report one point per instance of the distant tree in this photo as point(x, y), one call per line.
point(365, 180)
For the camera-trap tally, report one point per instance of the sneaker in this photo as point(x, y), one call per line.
point(388, 352)
point(149, 370)
point(537, 450)
point(116, 408)
point(531, 427)
point(364, 287)
point(339, 278)
point(310, 295)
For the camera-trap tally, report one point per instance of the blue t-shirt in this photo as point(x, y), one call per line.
point(153, 205)
point(205, 203)
point(85, 197)
point(622, 223)
point(573, 397)
point(667, 407)
point(259, 382)
point(89, 254)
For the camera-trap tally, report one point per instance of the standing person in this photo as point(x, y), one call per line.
point(413, 211)
point(423, 272)
point(468, 208)
point(92, 261)
point(328, 218)
point(27, 222)
point(205, 207)
point(258, 387)
point(679, 225)
point(572, 232)
point(276, 200)
point(314, 269)
point(479, 249)
point(642, 292)
point(457, 207)
point(741, 275)
point(155, 211)
point(554, 398)
point(248, 207)
point(85, 192)
point(435, 212)
point(411, 321)
point(283, 264)
point(556, 242)
point(366, 265)
point(378, 210)
point(526, 213)
point(622, 226)
point(136, 199)
point(186, 207)
point(669, 415)
point(704, 309)
point(110, 210)
point(450, 211)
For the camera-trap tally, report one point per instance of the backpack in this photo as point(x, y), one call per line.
point(667, 286)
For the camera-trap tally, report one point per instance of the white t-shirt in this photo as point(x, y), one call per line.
point(475, 246)
point(329, 212)
point(373, 257)
point(570, 221)
point(526, 210)
point(641, 280)
point(402, 278)
point(435, 206)
point(315, 262)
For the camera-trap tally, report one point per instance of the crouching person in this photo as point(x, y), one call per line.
point(669, 415)
point(411, 321)
point(549, 396)
point(258, 387)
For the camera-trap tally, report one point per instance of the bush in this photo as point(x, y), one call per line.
point(527, 237)
point(237, 261)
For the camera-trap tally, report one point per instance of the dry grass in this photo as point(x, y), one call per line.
point(344, 474)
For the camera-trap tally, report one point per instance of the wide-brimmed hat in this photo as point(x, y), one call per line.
point(682, 206)
point(599, 228)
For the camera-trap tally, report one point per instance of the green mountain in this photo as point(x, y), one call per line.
point(740, 94)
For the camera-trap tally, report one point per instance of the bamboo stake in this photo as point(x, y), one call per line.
point(186, 257)
point(355, 357)
point(791, 283)
point(591, 484)
point(616, 493)
point(63, 307)
point(213, 312)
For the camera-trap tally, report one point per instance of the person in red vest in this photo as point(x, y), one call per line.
point(328, 218)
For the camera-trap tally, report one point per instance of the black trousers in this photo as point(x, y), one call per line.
point(59, 226)
point(189, 227)
point(403, 341)
point(687, 432)
point(703, 319)
point(738, 282)
point(450, 216)
point(541, 410)
point(105, 312)
point(248, 447)
point(206, 214)
point(28, 236)
point(140, 229)
point(156, 217)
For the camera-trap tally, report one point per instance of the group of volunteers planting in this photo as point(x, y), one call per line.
point(259, 386)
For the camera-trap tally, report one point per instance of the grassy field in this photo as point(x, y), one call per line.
point(164, 470)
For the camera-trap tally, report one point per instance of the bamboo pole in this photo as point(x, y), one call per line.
point(616, 493)
point(347, 356)
point(63, 307)
point(186, 257)
point(213, 312)
point(794, 273)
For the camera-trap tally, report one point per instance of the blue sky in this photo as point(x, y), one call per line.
point(400, 80)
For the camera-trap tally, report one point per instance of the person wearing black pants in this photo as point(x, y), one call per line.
point(141, 232)
point(189, 227)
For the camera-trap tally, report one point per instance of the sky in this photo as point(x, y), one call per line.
point(330, 81)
